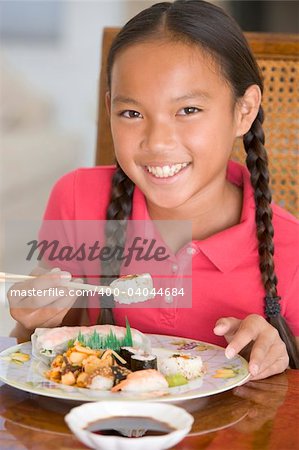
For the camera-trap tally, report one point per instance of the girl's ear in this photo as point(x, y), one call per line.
point(247, 109)
point(108, 102)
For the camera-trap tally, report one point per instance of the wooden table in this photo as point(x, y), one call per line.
point(258, 415)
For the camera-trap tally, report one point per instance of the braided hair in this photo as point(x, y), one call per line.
point(118, 212)
point(257, 163)
point(200, 23)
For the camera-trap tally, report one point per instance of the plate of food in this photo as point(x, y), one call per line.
point(107, 362)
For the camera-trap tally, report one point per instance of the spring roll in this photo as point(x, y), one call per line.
point(49, 342)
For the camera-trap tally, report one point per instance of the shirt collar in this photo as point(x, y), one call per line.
point(228, 248)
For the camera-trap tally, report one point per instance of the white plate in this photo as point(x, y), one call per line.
point(29, 376)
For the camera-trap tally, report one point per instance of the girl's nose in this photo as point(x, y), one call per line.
point(159, 137)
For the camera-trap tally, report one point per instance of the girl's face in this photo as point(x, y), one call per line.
point(173, 122)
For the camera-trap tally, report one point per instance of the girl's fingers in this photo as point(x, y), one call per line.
point(249, 330)
point(48, 308)
point(53, 297)
point(278, 366)
point(56, 316)
point(47, 298)
point(50, 279)
point(227, 326)
point(39, 270)
point(274, 360)
point(262, 351)
point(55, 320)
point(44, 316)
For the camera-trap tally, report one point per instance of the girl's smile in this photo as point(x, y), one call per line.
point(167, 172)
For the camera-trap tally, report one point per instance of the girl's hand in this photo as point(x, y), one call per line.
point(46, 310)
point(268, 354)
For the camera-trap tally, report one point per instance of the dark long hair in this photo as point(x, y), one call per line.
point(203, 24)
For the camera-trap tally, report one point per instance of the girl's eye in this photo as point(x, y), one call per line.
point(188, 110)
point(130, 114)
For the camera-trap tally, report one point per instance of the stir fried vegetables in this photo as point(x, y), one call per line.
point(81, 365)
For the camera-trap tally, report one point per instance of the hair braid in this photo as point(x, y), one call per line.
point(257, 163)
point(118, 212)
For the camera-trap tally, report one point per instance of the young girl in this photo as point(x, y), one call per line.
point(182, 86)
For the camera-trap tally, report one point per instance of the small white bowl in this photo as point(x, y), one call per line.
point(81, 416)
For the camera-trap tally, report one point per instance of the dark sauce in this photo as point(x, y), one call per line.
point(129, 426)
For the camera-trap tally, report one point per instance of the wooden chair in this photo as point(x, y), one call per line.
point(277, 55)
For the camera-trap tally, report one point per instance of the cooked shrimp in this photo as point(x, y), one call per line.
point(142, 381)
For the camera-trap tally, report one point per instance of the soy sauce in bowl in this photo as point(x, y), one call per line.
point(122, 425)
point(129, 426)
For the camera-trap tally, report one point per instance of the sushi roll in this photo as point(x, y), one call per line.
point(126, 353)
point(128, 284)
point(187, 365)
point(143, 361)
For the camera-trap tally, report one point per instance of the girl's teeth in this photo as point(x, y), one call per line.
point(159, 171)
point(166, 171)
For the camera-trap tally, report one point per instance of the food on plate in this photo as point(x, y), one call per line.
point(86, 367)
point(176, 380)
point(138, 359)
point(189, 366)
point(102, 360)
point(142, 380)
point(126, 353)
point(120, 373)
point(49, 342)
point(133, 288)
point(142, 361)
point(99, 369)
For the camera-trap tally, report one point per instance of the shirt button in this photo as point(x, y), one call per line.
point(191, 250)
point(168, 298)
point(174, 268)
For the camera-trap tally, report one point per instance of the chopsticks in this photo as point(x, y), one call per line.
point(90, 287)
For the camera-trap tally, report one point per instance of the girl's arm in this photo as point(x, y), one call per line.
point(31, 310)
point(21, 333)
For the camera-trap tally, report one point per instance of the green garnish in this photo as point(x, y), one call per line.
point(176, 380)
point(128, 335)
point(97, 341)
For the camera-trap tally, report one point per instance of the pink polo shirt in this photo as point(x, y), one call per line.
point(226, 280)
